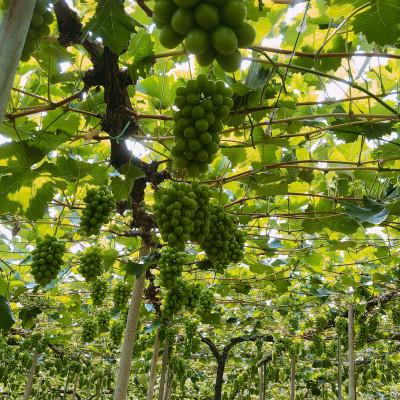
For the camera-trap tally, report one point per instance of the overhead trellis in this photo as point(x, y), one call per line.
point(303, 164)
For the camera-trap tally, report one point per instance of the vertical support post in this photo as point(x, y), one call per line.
point(164, 366)
point(13, 31)
point(352, 383)
point(31, 374)
point(339, 367)
point(261, 382)
point(292, 377)
point(125, 361)
point(153, 367)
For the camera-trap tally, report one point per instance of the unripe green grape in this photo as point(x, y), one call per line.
point(103, 320)
point(224, 242)
point(89, 330)
point(121, 295)
point(98, 291)
point(116, 332)
point(91, 263)
point(171, 266)
point(99, 204)
point(202, 109)
point(47, 259)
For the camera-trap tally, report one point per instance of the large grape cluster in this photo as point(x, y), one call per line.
point(203, 105)
point(171, 266)
point(206, 301)
point(38, 28)
point(98, 291)
point(181, 295)
point(103, 320)
point(175, 210)
point(47, 259)
point(211, 29)
point(121, 295)
point(99, 204)
point(116, 332)
point(224, 242)
point(91, 263)
point(202, 216)
point(89, 330)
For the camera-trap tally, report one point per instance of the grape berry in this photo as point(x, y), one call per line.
point(47, 259)
point(98, 291)
point(203, 105)
point(210, 29)
point(91, 263)
point(99, 204)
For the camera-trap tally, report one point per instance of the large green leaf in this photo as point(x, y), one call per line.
point(112, 24)
point(6, 316)
point(380, 22)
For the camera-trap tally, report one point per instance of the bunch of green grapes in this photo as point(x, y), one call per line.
point(99, 204)
point(38, 27)
point(91, 263)
point(175, 208)
point(121, 294)
point(211, 29)
point(171, 266)
point(373, 324)
point(341, 326)
point(320, 323)
point(202, 217)
point(47, 259)
point(116, 332)
point(181, 295)
point(317, 346)
point(89, 330)
point(192, 341)
point(103, 320)
point(224, 242)
point(179, 368)
point(203, 105)
point(206, 301)
point(362, 333)
point(396, 315)
point(98, 291)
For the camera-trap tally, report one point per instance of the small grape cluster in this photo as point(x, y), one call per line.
point(103, 320)
point(318, 345)
point(181, 295)
point(203, 104)
point(224, 242)
point(47, 259)
point(116, 332)
point(89, 330)
point(98, 291)
point(192, 341)
point(202, 216)
point(121, 295)
point(91, 263)
point(206, 301)
point(341, 326)
point(320, 323)
point(396, 315)
point(362, 332)
point(99, 204)
point(211, 29)
point(38, 28)
point(175, 210)
point(171, 266)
